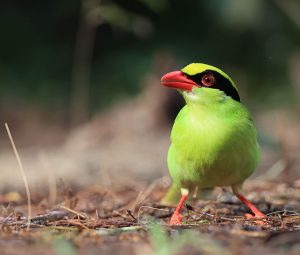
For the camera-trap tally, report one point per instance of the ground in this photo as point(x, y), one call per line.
point(129, 219)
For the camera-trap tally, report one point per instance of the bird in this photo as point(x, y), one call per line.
point(213, 138)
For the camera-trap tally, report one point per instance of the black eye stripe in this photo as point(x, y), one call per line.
point(221, 83)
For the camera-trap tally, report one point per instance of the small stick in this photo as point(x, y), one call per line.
point(79, 215)
point(130, 213)
point(291, 213)
point(22, 173)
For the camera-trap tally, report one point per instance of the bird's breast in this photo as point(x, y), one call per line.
point(212, 149)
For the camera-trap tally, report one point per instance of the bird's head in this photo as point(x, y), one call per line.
point(200, 82)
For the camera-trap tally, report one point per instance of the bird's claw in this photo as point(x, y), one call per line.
point(176, 219)
point(258, 218)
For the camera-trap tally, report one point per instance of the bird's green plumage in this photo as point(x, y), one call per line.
point(213, 140)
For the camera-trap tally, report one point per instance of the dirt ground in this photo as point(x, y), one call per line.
point(129, 219)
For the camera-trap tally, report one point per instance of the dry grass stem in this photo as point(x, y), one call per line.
point(79, 215)
point(22, 173)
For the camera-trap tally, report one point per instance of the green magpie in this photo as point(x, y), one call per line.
point(213, 139)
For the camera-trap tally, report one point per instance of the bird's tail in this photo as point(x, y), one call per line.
point(173, 195)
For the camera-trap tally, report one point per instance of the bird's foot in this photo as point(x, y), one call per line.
point(176, 219)
point(257, 213)
point(258, 218)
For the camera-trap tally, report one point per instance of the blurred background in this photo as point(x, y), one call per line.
point(80, 82)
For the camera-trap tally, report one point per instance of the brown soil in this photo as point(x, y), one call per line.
point(130, 220)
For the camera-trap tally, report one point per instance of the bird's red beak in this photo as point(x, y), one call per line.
point(177, 80)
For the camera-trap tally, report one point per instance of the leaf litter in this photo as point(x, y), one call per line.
point(120, 220)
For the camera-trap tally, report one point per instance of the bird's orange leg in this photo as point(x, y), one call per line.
point(176, 217)
point(257, 213)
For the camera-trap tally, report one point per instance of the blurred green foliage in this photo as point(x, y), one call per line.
point(251, 40)
point(62, 246)
point(182, 241)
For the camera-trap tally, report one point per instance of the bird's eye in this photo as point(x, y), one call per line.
point(208, 80)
